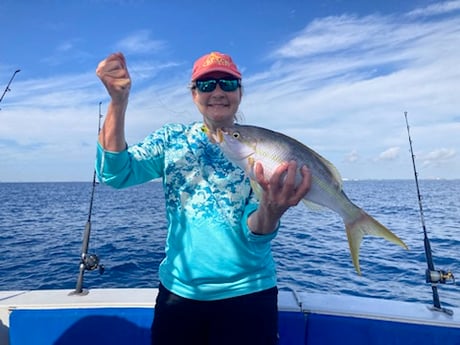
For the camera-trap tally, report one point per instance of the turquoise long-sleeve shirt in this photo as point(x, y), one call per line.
point(210, 251)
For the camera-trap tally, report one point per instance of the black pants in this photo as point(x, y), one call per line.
point(250, 319)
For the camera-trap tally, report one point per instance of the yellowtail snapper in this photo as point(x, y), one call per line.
point(245, 145)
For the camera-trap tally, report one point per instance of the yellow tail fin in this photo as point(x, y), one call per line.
point(366, 225)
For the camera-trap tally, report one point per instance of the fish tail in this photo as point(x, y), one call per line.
point(363, 225)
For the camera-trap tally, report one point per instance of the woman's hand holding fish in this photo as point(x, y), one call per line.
point(279, 193)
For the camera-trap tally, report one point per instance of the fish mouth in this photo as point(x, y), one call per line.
point(218, 136)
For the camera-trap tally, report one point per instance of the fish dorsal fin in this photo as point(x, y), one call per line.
point(333, 170)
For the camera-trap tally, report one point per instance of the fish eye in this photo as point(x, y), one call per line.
point(236, 135)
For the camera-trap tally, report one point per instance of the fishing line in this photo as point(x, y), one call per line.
point(432, 275)
point(88, 262)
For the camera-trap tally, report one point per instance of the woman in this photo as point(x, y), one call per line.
point(218, 280)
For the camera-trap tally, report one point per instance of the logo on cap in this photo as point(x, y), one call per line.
point(216, 59)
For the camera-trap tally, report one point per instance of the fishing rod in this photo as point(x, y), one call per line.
point(88, 262)
point(7, 88)
point(432, 275)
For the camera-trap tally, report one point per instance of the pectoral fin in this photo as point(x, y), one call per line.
point(256, 188)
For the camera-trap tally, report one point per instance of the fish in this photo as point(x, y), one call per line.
point(244, 145)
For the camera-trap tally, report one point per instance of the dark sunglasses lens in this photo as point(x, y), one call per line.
point(206, 85)
point(229, 85)
point(210, 85)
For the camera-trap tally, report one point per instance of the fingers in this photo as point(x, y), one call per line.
point(290, 188)
point(304, 186)
point(285, 174)
point(114, 66)
point(259, 174)
point(114, 74)
point(112, 62)
point(284, 188)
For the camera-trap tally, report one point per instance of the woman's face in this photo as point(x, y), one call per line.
point(217, 107)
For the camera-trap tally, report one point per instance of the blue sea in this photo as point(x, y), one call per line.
point(42, 225)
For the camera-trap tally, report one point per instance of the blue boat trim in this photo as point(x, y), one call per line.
point(115, 316)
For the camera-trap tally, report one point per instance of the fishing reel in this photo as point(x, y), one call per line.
point(91, 263)
point(439, 276)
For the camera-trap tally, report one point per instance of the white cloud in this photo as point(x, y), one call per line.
point(439, 156)
point(390, 154)
point(66, 51)
point(65, 46)
point(435, 9)
point(140, 42)
point(352, 157)
point(335, 34)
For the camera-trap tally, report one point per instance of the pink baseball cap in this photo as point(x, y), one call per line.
point(214, 62)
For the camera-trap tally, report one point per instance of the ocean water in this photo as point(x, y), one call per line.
point(42, 224)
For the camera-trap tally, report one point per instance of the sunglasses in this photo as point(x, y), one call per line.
point(209, 85)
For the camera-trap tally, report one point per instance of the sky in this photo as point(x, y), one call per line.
point(337, 75)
